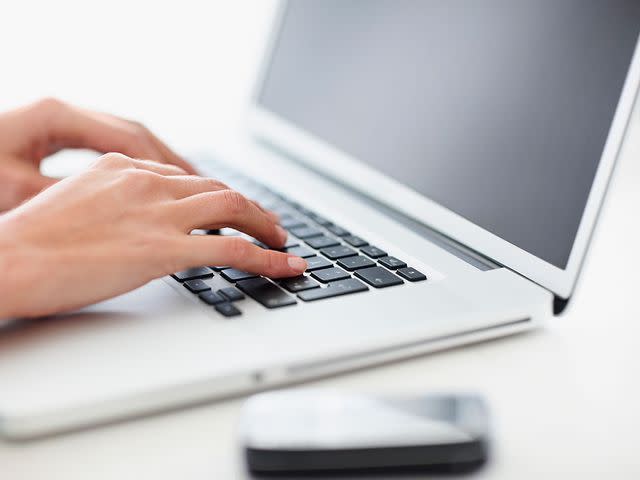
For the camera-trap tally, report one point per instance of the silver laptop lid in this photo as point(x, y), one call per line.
point(497, 122)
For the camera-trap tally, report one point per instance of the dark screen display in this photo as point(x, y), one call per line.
point(496, 109)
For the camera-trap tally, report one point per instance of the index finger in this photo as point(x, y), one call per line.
point(75, 127)
point(227, 208)
point(198, 250)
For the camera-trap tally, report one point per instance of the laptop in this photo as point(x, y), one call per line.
point(440, 167)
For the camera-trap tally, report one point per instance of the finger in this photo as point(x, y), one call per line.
point(238, 253)
point(273, 215)
point(188, 185)
point(169, 155)
point(72, 127)
point(228, 208)
point(156, 167)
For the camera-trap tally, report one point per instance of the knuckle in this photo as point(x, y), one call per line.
point(140, 179)
point(49, 104)
point(272, 261)
point(214, 185)
point(238, 248)
point(113, 160)
point(234, 202)
point(47, 111)
point(175, 169)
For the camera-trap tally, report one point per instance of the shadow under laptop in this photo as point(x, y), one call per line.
point(406, 473)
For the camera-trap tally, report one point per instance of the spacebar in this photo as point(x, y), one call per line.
point(265, 292)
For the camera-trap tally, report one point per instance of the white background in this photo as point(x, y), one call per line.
point(566, 399)
point(184, 68)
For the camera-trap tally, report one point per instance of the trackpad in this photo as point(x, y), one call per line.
point(156, 296)
point(153, 302)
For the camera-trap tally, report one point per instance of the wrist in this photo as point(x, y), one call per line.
point(15, 272)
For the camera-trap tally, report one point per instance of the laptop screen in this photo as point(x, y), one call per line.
point(497, 109)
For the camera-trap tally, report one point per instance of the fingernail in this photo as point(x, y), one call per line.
point(282, 233)
point(297, 264)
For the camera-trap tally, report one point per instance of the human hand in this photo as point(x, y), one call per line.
point(30, 134)
point(121, 224)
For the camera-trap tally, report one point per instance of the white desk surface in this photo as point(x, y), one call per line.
point(566, 398)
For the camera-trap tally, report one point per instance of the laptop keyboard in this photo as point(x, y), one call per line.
point(339, 262)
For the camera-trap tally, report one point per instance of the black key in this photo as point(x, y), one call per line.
point(305, 232)
point(291, 222)
point(234, 275)
point(266, 198)
point(411, 274)
point(298, 284)
point(196, 286)
point(219, 269)
point(211, 298)
point(355, 263)
point(338, 231)
point(321, 242)
point(233, 294)
point(215, 231)
point(272, 203)
point(378, 277)
point(373, 252)
point(316, 263)
point(355, 241)
point(265, 292)
point(192, 274)
point(321, 220)
point(341, 287)
point(392, 263)
point(340, 251)
point(291, 242)
point(300, 226)
point(303, 252)
point(327, 275)
point(283, 210)
point(227, 309)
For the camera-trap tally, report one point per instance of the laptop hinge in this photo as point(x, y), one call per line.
point(464, 253)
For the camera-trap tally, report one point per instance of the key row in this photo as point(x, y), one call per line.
point(193, 280)
point(270, 295)
point(328, 246)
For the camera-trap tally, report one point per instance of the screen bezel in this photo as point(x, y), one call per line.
point(320, 155)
